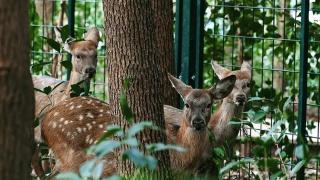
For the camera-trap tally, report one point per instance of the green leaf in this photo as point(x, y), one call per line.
point(113, 177)
point(67, 64)
point(52, 43)
point(297, 167)
point(105, 147)
point(137, 127)
point(131, 141)
point(68, 176)
point(47, 90)
point(125, 109)
point(161, 147)
point(97, 171)
point(64, 33)
point(219, 152)
point(86, 168)
point(139, 159)
point(256, 99)
point(248, 123)
point(299, 152)
point(111, 130)
point(259, 116)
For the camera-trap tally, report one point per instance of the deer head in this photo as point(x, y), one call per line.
point(84, 54)
point(239, 94)
point(198, 102)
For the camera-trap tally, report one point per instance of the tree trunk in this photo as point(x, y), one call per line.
point(17, 98)
point(163, 21)
point(133, 51)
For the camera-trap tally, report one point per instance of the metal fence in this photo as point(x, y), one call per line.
point(274, 35)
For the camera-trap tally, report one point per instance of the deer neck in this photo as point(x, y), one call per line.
point(222, 130)
point(75, 77)
point(195, 143)
point(229, 110)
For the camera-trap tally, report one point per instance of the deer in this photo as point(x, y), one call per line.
point(84, 61)
point(76, 123)
point(232, 106)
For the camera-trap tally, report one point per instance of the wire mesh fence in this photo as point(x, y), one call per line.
point(45, 15)
point(266, 32)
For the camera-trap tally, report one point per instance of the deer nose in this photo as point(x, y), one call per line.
point(90, 71)
point(198, 124)
point(241, 98)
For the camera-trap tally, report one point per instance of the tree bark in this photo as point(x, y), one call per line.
point(133, 51)
point(163, 21)
point(17, 98)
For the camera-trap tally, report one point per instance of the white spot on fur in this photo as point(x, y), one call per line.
point(79, 106)
point(83, 97)
point(93, 122)
point(84, 129)
point(62, 129)
point(90, 115)
point(101, 126)
point(80, 117)
point(68, 134)
point(89, 126)
point(72, 107)
point(87, 138)
point(90, 141)
point(89, 101)
point(55, 113)
point(100, 115)
point(60, 125)
point(101, 110)
point(61, 119)
point(66, 122)
point(79, 129)
point(54, 125)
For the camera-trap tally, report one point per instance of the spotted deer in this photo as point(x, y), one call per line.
point(76, 123)
point(84, 61)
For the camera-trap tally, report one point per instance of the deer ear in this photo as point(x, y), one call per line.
point(246, 67)
point(223, 87)
point(180, 87)
point(219, 70)
point(92, 35)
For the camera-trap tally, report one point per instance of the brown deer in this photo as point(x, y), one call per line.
point(189, 128)
point(84, 61)
point(232, 106)
point(68, 131)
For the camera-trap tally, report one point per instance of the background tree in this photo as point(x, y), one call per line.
point(16, 99)
point(137, 51)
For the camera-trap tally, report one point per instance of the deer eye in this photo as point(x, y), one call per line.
point(248, 84)
point(208, 106)
point(78, 56)
point(187, 105)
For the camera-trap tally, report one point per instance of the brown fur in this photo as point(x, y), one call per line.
point(219, 123)
point(71, 127)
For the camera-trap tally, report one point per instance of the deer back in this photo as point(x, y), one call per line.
point(72, 126)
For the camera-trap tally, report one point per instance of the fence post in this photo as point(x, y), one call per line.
point(304, 40)
point(189, 41)
point(71, 9)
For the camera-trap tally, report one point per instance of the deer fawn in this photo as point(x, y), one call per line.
point(232, 105)
point(189, 129)
point(76, 123)
point(84, 61)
